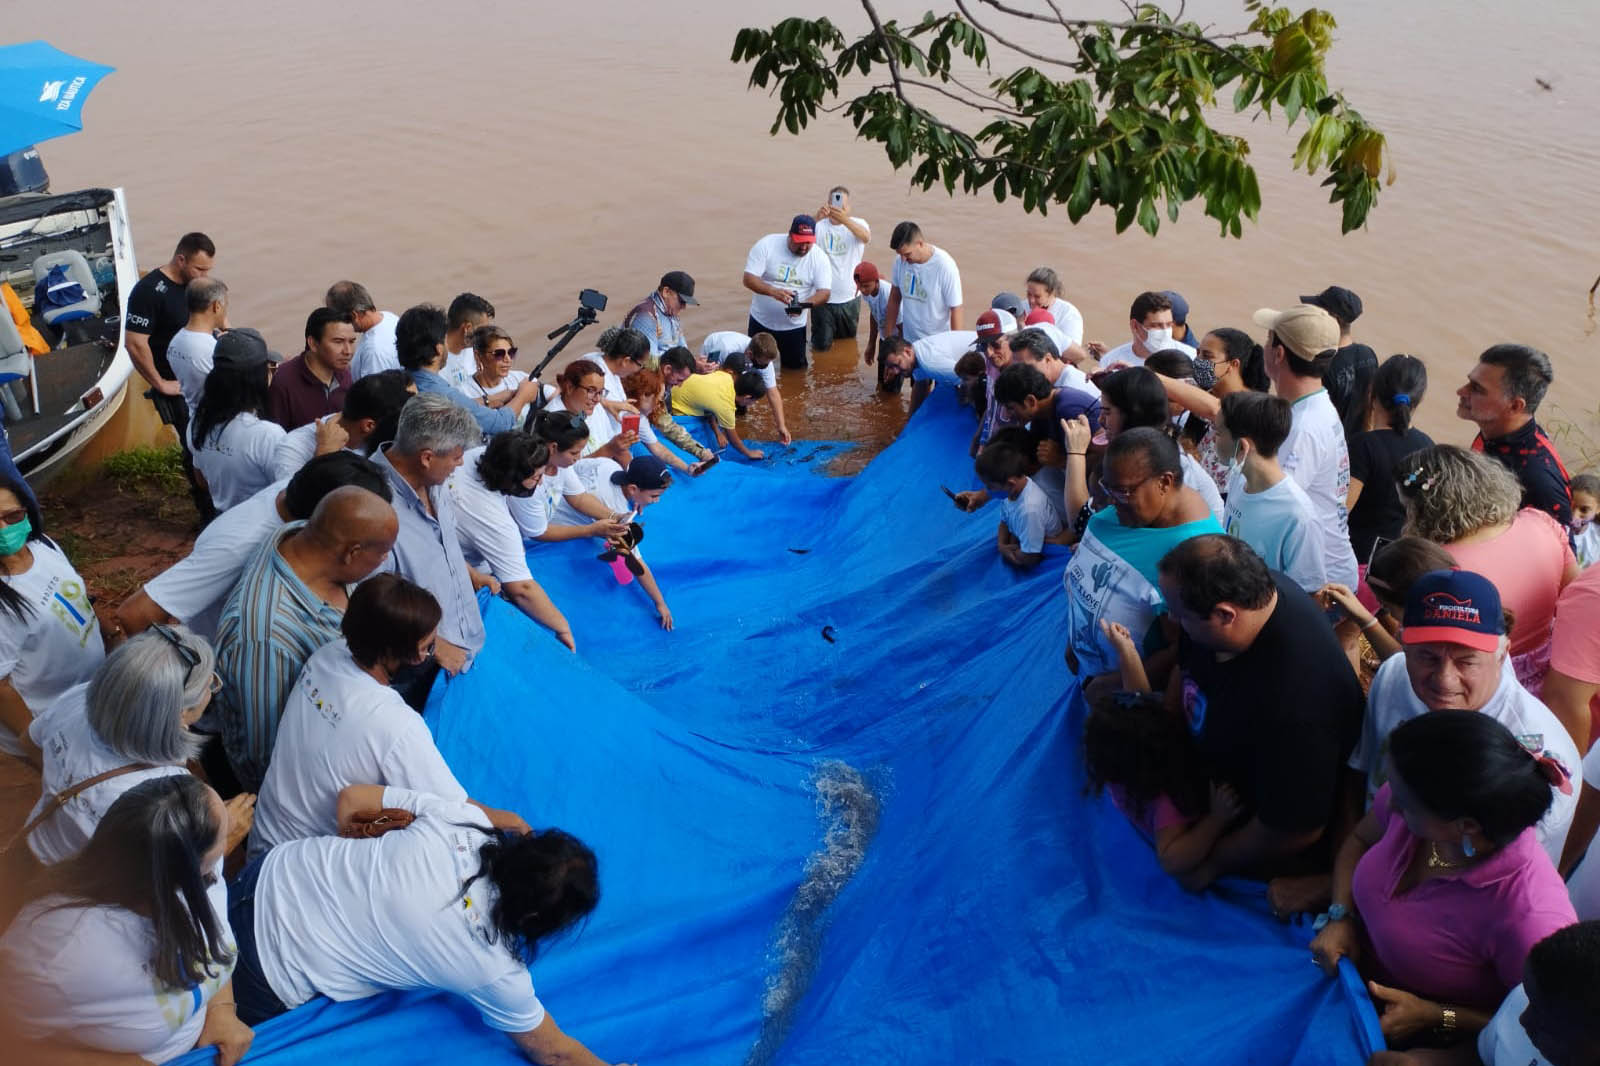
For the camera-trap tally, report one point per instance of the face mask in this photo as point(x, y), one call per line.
point(13, 537)
point(1157, 339)
point(1236, 464)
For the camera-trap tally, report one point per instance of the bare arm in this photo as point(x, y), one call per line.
point(1192, 398)
point(534, 602)
point(870, 352)
point(761, 288)
point(919, 392)
point(820, 297)
point(647, 581)
point(15, 716)
point(740, 446)
point(144, 361)
point(139, 612)
point(1353, 495)
point(1247, 848)
point(775, 401)
point(956, 317)
point(1581, 832)
point(666, 455)
point(1180, 849)
point(1569, 699)
point(891, 313)
point(547, 1045)
point(354, 798)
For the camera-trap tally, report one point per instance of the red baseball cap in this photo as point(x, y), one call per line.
point(1038, 315)
point(803, 229)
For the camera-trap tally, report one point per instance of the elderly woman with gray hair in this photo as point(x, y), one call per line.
point(130, 723)
point(1471, 505)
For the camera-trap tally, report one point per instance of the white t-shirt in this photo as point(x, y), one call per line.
point(83, 973)
point(513, 380)
point(1503, 1042)
point(459, 368)
point(1391, 702)
point(73, 752)
point(602, 427)
point(57, 645)
point(237, 461)
point(1124, 355)
point(194, 588)
point(1195, 477)
point(375, 349)
point(351, 918)
point(616, 392)
point(1031, 517)
point(880, 303)
point(1586, 544)
point(190, 355)
point(1281, 525)
point(927, 293)
point(844, 251)
point(1584, 884)
point(488, 534)
point(1315, 455)
point(299, 447)
point(595, 475)
point(533, 514)
point(340, 727)
point(1068, 320)
point(723, 343)
point(938, 354)
point(772, 262)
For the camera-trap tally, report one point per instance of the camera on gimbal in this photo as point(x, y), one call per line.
point(590, 303)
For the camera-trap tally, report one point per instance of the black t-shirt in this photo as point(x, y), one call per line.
point(1374, 457)
point(1347, 380)
point(158, 307)
point(1278, 721)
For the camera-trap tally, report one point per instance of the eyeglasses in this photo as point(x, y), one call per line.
point(593, 394)
point(502, 353)
point(190, 657)
point(1123, 495)
point(11, 518)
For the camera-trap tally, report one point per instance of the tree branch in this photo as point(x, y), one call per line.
point(1077, 26)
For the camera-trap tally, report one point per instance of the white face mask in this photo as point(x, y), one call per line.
point(1236, 464)
point(1157, 339)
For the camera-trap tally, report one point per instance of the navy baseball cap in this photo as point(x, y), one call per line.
point(803, 229)
point(242, 348)
point(645, 472)
point(1010, 301)
point(1454, 607)
point(1180, 306)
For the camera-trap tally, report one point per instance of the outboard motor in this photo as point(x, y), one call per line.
point(23, 171)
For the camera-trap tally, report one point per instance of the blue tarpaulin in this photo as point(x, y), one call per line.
point(839, 811)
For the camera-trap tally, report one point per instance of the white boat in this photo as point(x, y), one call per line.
point(69, 393)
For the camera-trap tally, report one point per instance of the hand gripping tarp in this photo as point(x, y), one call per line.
point(839, 810)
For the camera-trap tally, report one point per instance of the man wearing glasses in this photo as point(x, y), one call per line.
point(657, 316)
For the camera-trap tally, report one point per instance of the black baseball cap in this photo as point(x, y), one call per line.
point(680, 283)
point(1339, 302)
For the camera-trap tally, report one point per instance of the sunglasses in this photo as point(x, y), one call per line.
point(11, 518)
point(190, 657)
point(502, 353)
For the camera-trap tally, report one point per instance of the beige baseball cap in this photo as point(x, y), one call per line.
point(1305, 330)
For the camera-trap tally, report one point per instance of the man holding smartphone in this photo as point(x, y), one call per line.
point(843, 238)
point(789, 276)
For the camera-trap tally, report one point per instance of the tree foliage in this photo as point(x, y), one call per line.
point(1096, 112)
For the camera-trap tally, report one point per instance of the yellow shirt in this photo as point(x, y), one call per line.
point(709, 395)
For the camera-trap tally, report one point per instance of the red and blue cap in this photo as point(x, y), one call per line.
point(1454, 607)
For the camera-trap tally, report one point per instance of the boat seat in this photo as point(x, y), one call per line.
point(78, 270)
point(16, 363)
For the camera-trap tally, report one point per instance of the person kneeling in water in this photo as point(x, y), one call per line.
point(626, 493)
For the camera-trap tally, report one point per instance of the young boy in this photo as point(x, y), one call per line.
point(1585, 503)
point(1027, 518)
point(1266, 508)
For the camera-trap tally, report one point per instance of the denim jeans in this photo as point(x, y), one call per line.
point(254, 999)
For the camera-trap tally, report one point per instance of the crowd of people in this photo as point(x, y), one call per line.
point(1310, 645)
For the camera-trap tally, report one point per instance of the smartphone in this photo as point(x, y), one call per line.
point(837, 199)
point(705, 464)
point(1377, 546)
point(630, 424)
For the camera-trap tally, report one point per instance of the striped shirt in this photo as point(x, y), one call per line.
point(428, 552)
point(270, 626)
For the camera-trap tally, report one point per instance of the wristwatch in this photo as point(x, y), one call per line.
point(1448, 1022)
point(1336, 912)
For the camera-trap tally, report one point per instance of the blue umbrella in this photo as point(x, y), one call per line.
point(42, 90)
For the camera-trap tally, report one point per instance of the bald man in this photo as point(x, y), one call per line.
point(288, 604)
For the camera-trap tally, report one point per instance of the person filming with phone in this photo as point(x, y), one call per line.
point(789, 275)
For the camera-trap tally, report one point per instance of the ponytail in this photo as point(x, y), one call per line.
point(1247, 353)
point(1398, 387)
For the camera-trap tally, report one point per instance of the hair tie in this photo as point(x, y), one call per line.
point(1555, 773)
point(1402, 399)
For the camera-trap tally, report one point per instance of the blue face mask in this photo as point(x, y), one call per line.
point(14, 536)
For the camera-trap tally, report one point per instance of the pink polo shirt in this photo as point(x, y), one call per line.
point(1526, 564)
point(1461, 938)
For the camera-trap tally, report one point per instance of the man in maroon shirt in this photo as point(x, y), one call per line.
point(313, 383)
point(1500, 397)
